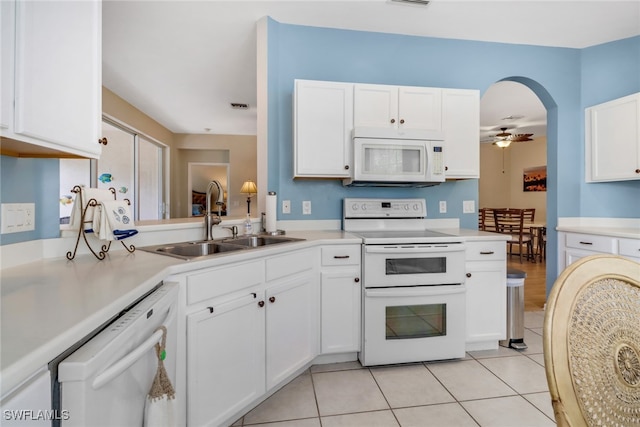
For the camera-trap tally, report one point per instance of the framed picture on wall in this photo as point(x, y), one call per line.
point(534, 179)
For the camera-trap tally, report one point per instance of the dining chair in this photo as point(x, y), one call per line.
point(482, 218)
point(591, 343)
point(529, 214)
point(511, 222)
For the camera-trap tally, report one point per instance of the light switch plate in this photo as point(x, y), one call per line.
point(443, 206)
point(17, 217)
point(306, 207)
point(468, 206)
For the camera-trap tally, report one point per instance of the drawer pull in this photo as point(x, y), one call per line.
point(468, 274)
point(254, 295)
point(272, 299)
point(341, 256)
point(487, 252)
point(357, 280)
point(260, 303)
point(210, 309)
point(586, 243)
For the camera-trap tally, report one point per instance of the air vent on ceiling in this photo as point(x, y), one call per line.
point(239, 106)
point(416, 2)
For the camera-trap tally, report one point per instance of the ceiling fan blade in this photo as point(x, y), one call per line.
point(521, 137)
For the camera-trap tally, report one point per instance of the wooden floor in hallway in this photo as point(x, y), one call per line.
point(535, 283)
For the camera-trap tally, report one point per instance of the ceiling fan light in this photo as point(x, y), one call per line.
point(503, 143)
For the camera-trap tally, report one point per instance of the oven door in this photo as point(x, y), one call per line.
point(414, 324)
point(414, 264)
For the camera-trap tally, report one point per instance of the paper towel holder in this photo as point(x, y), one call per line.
point(263, 222)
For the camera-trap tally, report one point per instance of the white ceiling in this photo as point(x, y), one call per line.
point(184, 62)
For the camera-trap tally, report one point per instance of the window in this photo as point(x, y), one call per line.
point(131, 163)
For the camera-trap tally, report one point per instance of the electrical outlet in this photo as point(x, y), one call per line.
point(443, 206)
point(468, 206)
point(306, 207)
point(286, 206)
point(17, 217)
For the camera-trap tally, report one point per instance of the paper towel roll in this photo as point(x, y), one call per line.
point(271, 212)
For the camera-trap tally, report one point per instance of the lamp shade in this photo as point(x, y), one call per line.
point(249, 187)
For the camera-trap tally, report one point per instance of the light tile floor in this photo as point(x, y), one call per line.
point(494, 388)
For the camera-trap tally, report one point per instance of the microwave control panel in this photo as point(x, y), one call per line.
point(438, 160)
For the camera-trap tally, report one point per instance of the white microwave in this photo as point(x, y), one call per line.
point(405, 159)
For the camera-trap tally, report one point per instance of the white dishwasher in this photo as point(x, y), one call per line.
point(105, 382)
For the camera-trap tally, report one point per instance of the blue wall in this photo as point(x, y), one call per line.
point(32, 181)
point(609, 71)
point(554, 74)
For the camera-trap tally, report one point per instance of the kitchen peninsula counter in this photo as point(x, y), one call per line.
point(50, 304)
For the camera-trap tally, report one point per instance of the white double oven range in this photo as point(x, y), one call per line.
point(413, 289)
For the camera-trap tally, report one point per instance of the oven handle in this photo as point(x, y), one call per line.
point(124, 363)
point(413, 248)
point(416, 291)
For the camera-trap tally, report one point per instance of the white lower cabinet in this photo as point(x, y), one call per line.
point(290, 327)
point(486, 286)
point(29, 404)
point(250, 327)
point(225, 358)
point(340, 299)
point(573, 246)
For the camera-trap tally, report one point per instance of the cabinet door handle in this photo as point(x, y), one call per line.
point(103, 141)
point(357, 280)
point(346, 167)
point(272, 299)
point(260, 303)
point(341, 256)
point(393, 120)
point(586, 243)
point(486, 252)
point(468, 274)
point(637, 170)
point(210, 309)
point(401, 121)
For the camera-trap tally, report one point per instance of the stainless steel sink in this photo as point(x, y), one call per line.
point(190, 250)
point(257, 241)
point(204, 248)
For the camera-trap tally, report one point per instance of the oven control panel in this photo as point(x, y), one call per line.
point(384, 208)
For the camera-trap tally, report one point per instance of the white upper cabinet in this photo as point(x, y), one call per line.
point(322, 124)
point(461, 126)
point(612, 137)
point(7, 20)
point(56, 88)
point(397, 107)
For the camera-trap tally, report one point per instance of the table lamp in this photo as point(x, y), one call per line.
point(249, 188)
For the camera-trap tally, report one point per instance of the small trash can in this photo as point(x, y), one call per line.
point(515, 310)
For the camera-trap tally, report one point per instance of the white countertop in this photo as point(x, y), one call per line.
point(50, 304)
point(614, 227)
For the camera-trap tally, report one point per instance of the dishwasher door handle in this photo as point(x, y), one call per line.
point(123, 364)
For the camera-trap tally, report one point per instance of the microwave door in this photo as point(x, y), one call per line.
point(398, 161)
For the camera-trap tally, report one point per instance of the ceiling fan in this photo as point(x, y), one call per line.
point(505, 138)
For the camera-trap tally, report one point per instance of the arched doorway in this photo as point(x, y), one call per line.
point(513, 148)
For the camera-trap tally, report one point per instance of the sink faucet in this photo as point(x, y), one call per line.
point(210, 221)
